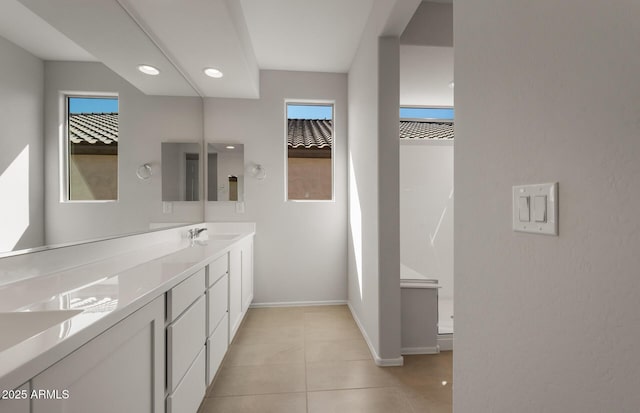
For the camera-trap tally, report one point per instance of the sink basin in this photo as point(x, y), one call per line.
point(16, 327)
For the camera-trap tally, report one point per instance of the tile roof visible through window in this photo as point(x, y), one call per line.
point(309, 133)
point(93, 128)
point(316, 133)
point(426, 130)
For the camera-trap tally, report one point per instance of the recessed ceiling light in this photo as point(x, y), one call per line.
point(230, 147)
point(211, 72)
point(148, 70)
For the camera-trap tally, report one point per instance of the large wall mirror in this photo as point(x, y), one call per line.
point(40, 207)
point(225, 172)
point(180, 171)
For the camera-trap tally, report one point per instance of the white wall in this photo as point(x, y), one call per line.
point(21, 148)
point(547, 91)
point(300, 247)
point(426, 211)
point(144, 122)
point(374, 256)
point(425, 74)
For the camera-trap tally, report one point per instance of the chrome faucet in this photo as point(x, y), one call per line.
point(195, 232)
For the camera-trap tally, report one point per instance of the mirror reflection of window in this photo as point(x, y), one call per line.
point(92, 148)
point(233, 188)
point(212, 176)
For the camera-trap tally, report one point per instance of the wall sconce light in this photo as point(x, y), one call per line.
point(258, 172)
point(144, 172)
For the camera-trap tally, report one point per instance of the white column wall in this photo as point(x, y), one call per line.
point(374, 255)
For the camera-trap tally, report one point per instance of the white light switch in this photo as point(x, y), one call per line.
point(523, 209)
point(535, 208)
point(540, 208)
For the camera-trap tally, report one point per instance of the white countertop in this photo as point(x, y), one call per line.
point(105, 292)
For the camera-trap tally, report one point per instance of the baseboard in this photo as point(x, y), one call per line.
point(445, 342)
point(247, 303)
point(406, 351)
point(298, 303)
point(399, 361)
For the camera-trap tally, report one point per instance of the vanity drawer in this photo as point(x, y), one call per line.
point(182, 295)
point(217, 269)
point(218, 300)
point(217, 346)
point(189, 394)
point(185, 338)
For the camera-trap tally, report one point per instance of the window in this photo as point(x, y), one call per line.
point(309, 151)
point(91, 142)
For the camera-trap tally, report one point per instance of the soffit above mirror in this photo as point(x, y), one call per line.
point(180, 41)
point(203, 34)
point(237, 37)
point(29, 31)
point(106, 31)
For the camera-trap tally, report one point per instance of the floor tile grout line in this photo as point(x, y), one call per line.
point(255, 394)
point(353, 388)
point(304, 346)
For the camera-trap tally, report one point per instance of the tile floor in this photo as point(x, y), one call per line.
point(314, 360)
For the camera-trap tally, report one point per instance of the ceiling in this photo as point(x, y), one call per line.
point(181, 38)
point(306, 35)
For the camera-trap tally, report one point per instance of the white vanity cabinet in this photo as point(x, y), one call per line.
point(246, 253)
point(186, 337)
point(162, 356)
point(121, 370)
point(235, 291)
point(217, 315)
point(240, 282)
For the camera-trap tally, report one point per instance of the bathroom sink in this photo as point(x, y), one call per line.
point(16, 327)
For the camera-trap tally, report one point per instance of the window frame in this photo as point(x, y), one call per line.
point(64, 146)
point(309, 102)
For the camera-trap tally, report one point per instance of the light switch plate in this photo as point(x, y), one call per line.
point(549, 226)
